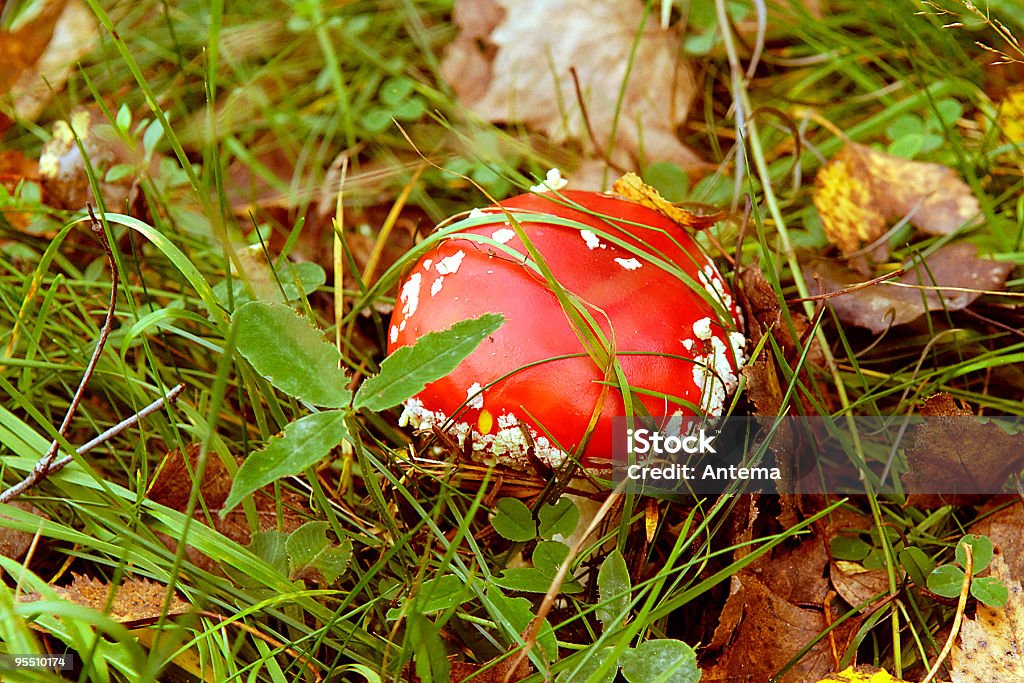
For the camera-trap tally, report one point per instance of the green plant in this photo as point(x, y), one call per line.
point(947, 579)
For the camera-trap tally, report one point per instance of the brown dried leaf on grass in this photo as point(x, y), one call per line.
point(953, 451)
point(760, 632)
point(949, 279)
point(36, 58)
point(173, 485)
point(13, 543)
point(991, 645)
point(512, 62)
point(136, 602)
point(861, 190)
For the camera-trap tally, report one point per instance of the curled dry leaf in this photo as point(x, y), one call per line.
point(632, 187)
point(949, 279)
point(991, 645)
point(36, 58)
point(861, 191)
point(954, 451)
point(512, 63)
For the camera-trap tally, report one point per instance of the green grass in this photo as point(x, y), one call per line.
point(277, 92)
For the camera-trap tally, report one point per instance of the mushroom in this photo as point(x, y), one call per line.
point(657, 298)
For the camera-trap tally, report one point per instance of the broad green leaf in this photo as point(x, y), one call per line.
point(440, 593)
point(548, 556)
point(269, 546)
point(990, 591)
point(513, 520)
point(982, 550)
point(523, 579)
point(613, 583)
point(518, 614)
point(303, 443)
point(532, 580)
point(310, 552)
point(291, 353)
point(946, 580)
point(590, 667)
point(660, 661)
point(406, 371)
point(849, 548)
point(917, 564)
point(428, 650)
point(559, 518)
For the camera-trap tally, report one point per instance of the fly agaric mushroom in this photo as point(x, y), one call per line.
point(658, 299)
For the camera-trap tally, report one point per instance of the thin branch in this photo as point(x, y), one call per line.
point(45, 464)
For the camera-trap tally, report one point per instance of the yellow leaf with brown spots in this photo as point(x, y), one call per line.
point(633, 188)
point(861, 192)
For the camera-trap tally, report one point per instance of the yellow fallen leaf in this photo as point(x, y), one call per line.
point(992, 644)
point(1011, 115)
point(861, 674)
point(632, 187)
point(862, 191)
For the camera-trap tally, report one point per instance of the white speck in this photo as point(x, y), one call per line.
point(688, 344)
point(410, 295)
point(490, 272)
point(475, 397)
point(628, 263)
point(503, 235)
point(712, 281)
point(552, 181)
point(436, 286)
point(426, 264)
point(508, 445)
point(401, 326)
point(702, 328)
point(592, 240)
point(394, 334)
point(477, 213)
point(450, 264)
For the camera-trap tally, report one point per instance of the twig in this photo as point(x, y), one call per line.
point(45, 464)
point(598, 147)
point(965, 590)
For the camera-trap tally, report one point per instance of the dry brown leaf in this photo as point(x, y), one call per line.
point(852, 581)
point(172, 486)
point(36, 59)
point(632, 187)
point(519, 71)
point(497, 673)
point(954, 452)
point(764, 633)
point(137, 602)
point(949, 279)
point(13, 543)
point(861, 191)
point(991, 648)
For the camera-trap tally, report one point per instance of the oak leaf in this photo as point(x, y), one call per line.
point(861, 191)
point(513, 61)
point(991, 647)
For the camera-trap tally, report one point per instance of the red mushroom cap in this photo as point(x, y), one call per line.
point(669, 336)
